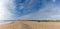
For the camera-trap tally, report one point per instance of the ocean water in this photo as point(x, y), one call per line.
point(29, 9)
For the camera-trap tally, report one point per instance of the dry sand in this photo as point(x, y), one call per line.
point(31, 25)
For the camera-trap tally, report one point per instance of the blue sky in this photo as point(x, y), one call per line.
point(48, 11)
point(29, 9)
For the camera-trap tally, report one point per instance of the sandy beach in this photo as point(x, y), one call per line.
point(31, 25)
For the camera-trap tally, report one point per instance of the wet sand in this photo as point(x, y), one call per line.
point(31, 25)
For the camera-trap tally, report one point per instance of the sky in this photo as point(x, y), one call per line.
point(29, 10)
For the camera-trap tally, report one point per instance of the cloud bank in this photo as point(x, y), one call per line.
point(5, 7)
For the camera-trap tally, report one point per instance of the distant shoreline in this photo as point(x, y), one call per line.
point(42, 20)
point(34, 20)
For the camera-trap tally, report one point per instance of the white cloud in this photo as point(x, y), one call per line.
point(5, 14)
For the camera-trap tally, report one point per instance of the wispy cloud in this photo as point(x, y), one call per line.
point(48, 12)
